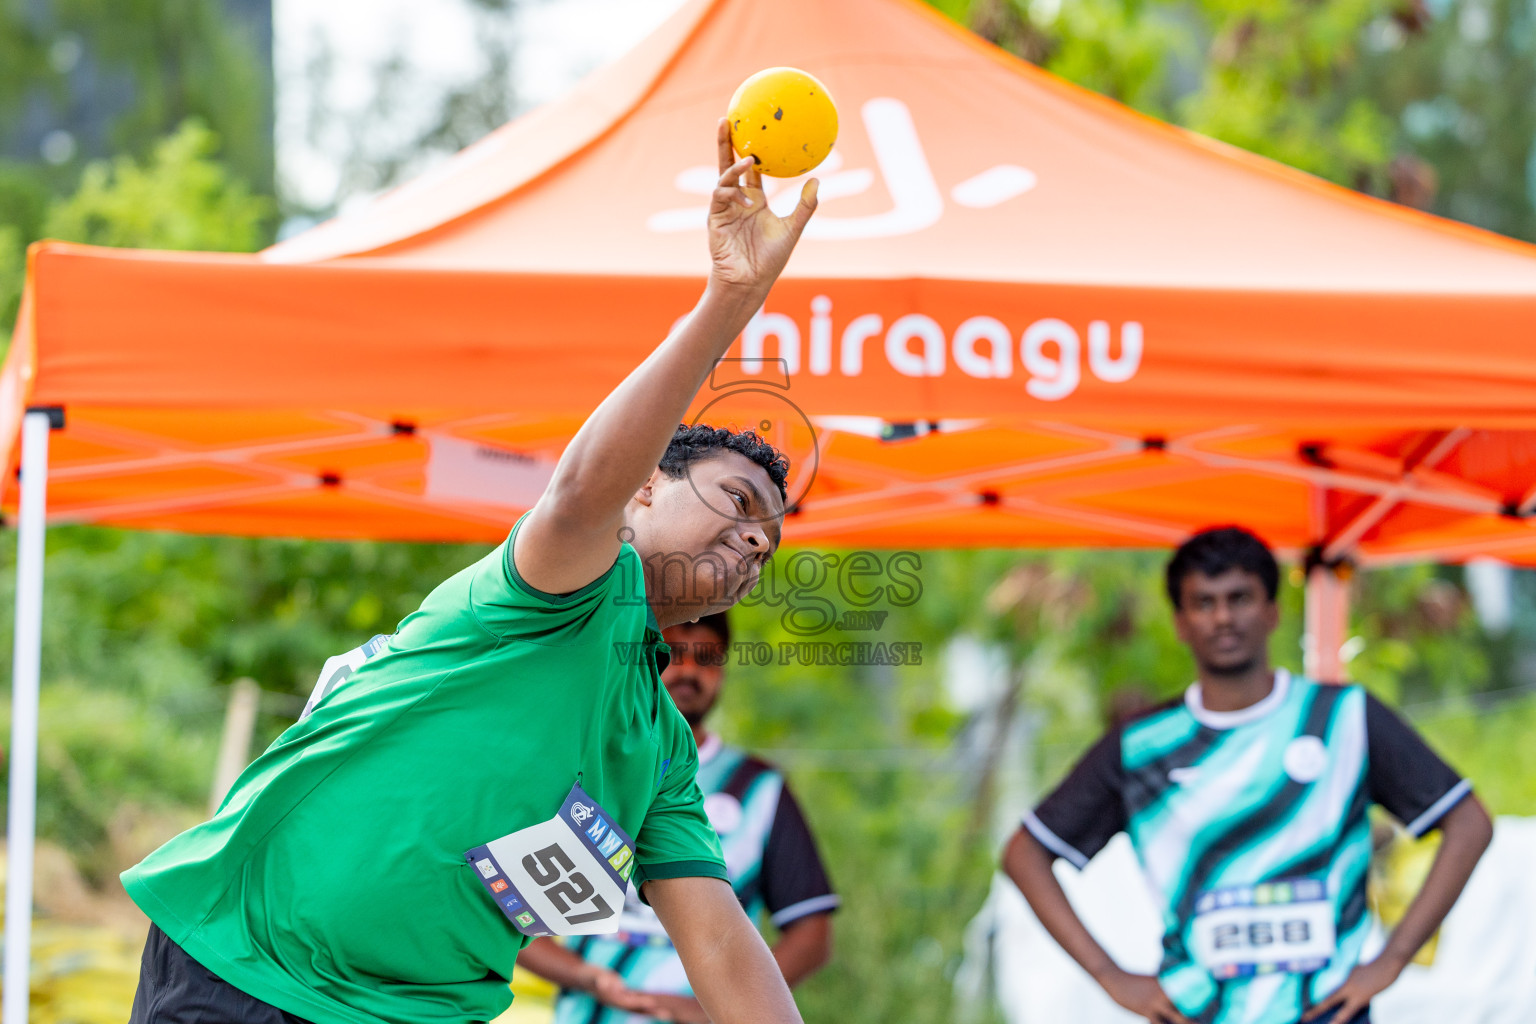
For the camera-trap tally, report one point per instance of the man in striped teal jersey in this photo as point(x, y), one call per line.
point(1246, 803)
point(636, 976)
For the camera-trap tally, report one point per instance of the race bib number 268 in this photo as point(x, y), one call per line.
point(564, 876)
point(1278, 926)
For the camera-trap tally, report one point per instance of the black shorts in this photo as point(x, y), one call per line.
point(176, 989)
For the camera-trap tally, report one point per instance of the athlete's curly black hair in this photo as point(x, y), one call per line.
point(701, 441)
point(1214, 551)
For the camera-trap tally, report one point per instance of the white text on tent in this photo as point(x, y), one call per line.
point(1050, 350)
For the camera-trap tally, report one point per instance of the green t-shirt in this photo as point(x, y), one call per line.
point(332, 882)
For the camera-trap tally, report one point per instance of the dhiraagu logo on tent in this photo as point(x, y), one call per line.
point(1051, 355)
point(916, 199)
point(1050, 352)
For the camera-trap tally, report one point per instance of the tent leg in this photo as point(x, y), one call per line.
point(21, 827)
point(1327, 623)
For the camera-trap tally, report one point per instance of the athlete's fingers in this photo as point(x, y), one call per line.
point(1169, 1012)
point(1351, 1006)
point(606, 984)
point(636, 1002)
point(801, 216)
point(731, 176)
point(723, 145)
point(728, 193)
point(611, 989)
point(1337, 997)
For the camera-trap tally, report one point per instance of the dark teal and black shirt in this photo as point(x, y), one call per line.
point(1251, 827)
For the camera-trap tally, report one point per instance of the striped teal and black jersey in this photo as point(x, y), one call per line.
point(774, 867)
point(1251, 828)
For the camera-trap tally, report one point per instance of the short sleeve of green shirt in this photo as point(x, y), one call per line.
point(677, 840)
point(507, 607)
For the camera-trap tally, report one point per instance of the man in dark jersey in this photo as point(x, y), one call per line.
point(506, 763)
point(770, 852)
point(1245, 801)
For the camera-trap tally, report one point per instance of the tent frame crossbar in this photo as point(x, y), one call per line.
point(1405, 488)
point(1408, 486)
point(1346, 537)
point(1327, 587)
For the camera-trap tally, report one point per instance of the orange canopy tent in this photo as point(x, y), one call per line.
point(1023, 316)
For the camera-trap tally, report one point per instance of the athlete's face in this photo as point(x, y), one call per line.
point(1226, 620)
point(705, 536)
point(693, 675)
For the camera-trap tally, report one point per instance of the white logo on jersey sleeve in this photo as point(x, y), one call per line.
point(339, 669)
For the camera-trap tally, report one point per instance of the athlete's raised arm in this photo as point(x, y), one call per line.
point(572, 535)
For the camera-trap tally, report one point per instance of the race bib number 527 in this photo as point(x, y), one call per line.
point(564, 876)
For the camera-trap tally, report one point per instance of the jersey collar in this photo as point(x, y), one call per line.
point(1242, 716)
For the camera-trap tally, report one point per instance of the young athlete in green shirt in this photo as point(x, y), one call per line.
point(507, 760)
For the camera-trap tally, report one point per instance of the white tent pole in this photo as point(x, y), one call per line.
point(1327, 622)
point(22, 825)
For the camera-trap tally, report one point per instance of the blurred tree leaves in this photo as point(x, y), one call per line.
point(1275, 78)
point(180, 198)
point(180, 60)
point(1489, 741)
point(1459, 89)
point(1425, 101)
point(131, 71)
point(166, 86)
point(142, 632)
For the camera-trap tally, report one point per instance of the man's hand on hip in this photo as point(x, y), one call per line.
point(608, 988)
point(1140, 993)
point(1362, 985)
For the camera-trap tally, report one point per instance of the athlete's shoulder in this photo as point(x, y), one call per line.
point(757, 765)
point(748, 773)
point(1127, 718)
point(1147, 734)
point(1331, 691)
point(496, 581)
point(1299, 680)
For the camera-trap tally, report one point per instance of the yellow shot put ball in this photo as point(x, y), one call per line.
point(785, 120)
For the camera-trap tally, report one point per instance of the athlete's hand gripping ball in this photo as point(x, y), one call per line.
point(785, 120)
point(748, 243)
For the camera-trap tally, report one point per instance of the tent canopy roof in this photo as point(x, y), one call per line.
point(1023, 315)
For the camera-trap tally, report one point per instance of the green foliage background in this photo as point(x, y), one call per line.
point(908, 786)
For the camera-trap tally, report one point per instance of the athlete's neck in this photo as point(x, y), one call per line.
point(700, 735)
point(1233, 691)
